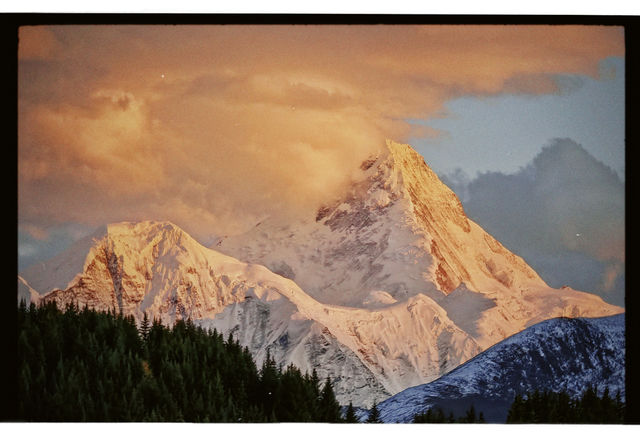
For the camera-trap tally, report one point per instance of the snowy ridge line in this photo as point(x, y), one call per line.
point(399, 232)
point(156, 268)
point(560, 354)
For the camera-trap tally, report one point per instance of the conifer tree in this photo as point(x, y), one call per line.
point(144, 327)
point(515, 414)
point(350, 414)
point(620, 408)
point(315, 383)
point(374, 414)
point(269, 383)
point(470, 415)
point(424, 417)
point(329, 406)
point(450, 419)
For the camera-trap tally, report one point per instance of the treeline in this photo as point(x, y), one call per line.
point(80, 365)
point(545, 407)
point(437, 416)
point(559, 407)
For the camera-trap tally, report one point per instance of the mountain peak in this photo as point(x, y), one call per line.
point(134, 228)
point(397, 157)
point(398, 232)
point(398, 171)
point(428, 194)
point(403, 154)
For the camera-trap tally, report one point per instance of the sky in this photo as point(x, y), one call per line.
point(214, 127)
point(501, 153)
point(514, 127)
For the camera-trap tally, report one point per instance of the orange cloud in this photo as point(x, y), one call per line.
point(37, 42)
point(214, 126)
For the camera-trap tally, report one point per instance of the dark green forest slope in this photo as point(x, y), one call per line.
point(559, 407)
point(80, 365)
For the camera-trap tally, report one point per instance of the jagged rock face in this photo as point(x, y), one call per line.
point(555, 355)
point(400, 232)
point(152, 267)
point(158, 269)
point(277, 327)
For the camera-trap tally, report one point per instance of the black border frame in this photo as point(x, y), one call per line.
point(10, 23)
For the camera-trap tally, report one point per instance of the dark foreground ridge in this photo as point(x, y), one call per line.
point(561, 355)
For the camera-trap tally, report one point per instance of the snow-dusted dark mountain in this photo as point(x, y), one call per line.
point(389, 287)
point(561, 354)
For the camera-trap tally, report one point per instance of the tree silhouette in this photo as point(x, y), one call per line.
point(85, 365)
point(144, 327)
point(374, 414)
point(558, 407)
point(350, 414)
point(329, 407)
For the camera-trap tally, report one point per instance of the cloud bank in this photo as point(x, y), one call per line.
point(214, 126)
point(564, 213)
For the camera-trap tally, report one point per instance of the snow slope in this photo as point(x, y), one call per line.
point(399, 232)
point(561, 354)
point(157, 268)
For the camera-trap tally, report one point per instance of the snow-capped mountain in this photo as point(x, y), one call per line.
point(399, 232)
point(389, 287)
point(157, 268)
point(561, 354)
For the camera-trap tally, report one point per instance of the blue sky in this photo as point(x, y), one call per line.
point(505, 132)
